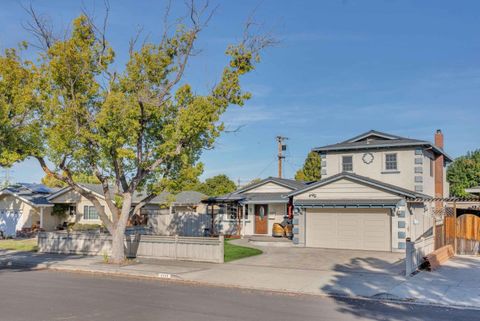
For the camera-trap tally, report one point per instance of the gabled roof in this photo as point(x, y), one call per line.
point(189, 197)
point(240, 195)
point(32, 194)
point(375, 139)
point(182, 198)
point(288, 183)
point(372, 134)
point(364, 180)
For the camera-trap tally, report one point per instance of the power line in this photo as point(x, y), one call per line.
point(266, 167)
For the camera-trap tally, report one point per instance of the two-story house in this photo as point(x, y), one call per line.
point(371, 193)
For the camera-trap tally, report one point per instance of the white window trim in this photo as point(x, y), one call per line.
point(384, 163)
point(85, 218)
point(341, 163)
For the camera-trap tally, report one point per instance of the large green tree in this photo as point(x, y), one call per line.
point(217, 185)
point(311, 170)
point(19, 106)
point(463, 173)
point(50, 181)
point(142, 128)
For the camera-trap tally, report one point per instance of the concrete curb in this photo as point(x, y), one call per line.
point(176, 278)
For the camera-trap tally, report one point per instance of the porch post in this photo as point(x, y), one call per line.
point(41, 217)
point(243, 220)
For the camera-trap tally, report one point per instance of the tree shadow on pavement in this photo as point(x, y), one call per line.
point(27, 261)
point(374, 278)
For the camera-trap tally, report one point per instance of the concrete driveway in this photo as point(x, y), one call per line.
point(325, 259)
point(309, 270)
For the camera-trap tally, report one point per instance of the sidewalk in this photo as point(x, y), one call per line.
point(233, 274)
point(455, 284)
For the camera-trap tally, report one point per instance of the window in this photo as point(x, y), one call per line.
point(347, 163)
point(230, 210)
point(431, 167)
point(391, 162)
point(90, 213)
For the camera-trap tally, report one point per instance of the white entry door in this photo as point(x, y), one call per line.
point(8, 221)
point(356, 229)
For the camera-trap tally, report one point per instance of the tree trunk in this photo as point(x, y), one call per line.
point(118, 235)
point(118, 247)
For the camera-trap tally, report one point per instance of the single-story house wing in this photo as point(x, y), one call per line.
point(25, 206)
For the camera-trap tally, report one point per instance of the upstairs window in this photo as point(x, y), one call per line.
point(347, 163)
point(391, 162)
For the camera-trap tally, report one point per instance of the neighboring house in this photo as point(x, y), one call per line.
point(372, 192)
point(23, 206)
point(82, 211)
point(252, 210)
point(186, 215)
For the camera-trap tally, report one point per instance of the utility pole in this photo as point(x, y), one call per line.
point(281, 148)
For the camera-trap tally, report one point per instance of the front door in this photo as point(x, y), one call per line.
point(261, 219)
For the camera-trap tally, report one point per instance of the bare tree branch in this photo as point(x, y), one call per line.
point(40, 27)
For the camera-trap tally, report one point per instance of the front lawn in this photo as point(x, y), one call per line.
point(25, 245)
point(235, 252)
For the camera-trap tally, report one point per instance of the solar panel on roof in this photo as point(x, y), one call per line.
point(37, 188)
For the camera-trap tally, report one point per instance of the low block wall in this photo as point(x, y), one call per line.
point(148, 246)
point(416, 251)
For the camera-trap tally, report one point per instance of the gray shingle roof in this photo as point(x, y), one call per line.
point(185, 197)
point(379, 140)
point(250, 198)
point(290, 183)
point(189, 197)
point(36, 194)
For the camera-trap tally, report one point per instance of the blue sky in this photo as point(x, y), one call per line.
point(342, 67)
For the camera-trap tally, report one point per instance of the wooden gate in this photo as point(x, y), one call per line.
point(468, 234)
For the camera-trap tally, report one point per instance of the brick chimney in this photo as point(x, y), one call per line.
point(439, 161)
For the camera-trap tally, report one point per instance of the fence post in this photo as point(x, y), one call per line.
point(221, 239)
point(176, 245)
point(409, 251)
point(455, 227)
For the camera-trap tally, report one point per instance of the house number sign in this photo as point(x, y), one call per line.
point(367, 158)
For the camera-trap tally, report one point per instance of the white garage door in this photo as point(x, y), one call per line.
point(8, 221)
point(358, 229)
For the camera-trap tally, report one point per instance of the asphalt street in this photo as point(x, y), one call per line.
point(49, 295)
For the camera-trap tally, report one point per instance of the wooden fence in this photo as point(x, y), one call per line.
point(462, 232)
point(467, 239)
point(162, 247)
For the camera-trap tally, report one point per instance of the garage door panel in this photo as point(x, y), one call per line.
point(348, 229)
point(324, 224)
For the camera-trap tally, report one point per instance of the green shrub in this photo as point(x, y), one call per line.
point(85, 227)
